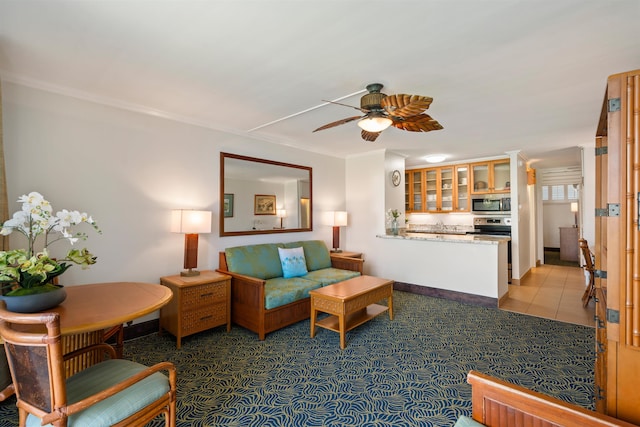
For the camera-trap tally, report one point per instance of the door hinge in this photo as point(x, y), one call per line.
point(614, 105)
point(613, 316)
point(600, 274)
point(602, 150)
point(612, 209)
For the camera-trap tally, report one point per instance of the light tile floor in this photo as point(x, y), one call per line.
point(552, 292)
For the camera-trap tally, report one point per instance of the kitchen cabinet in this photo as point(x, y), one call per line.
point(438, 190)
point(414, 196)
point(462, 189)
point(491, 177)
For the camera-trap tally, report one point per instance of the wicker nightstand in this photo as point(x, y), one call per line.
point(199, 303)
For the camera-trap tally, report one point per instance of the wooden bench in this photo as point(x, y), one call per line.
point(497, 403)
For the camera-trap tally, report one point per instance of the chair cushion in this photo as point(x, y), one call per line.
point(261, 261)
point(315, 252)
point(117, 407)
point(329, 276)
point(280, 291)
point(465, 421)
point(293, 262)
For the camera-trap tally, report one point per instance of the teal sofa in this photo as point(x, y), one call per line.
point(262, 300)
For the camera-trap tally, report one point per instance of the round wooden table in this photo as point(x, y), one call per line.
point(104, 305)
point(94, 313)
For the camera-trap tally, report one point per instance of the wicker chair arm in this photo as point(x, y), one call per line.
point(108, 392)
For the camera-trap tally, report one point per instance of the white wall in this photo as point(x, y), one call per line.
point(129, 170)
point(556, 215)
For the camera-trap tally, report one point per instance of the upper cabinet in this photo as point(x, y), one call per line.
point(462, 188)
point(414, 196)
point(437, 190)
point(491, 177)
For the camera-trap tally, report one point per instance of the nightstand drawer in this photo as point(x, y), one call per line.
point(204, 318)
point(203, 295)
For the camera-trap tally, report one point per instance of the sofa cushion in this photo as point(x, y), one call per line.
point(280, 291)
point(293, 262)
point(261, 261)
point(315, 252)
point(328, 276)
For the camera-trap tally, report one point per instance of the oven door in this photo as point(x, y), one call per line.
point(486, 205)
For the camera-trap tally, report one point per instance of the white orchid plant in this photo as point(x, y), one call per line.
point(22, 270)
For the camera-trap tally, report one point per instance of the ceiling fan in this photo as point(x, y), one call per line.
point(405, 112)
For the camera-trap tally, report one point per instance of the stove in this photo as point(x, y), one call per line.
point(495, 226)
point(492, 226)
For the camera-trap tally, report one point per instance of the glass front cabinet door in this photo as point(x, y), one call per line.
point(462, 189)
point(431, 190)
point(491, 177)
point(414, 191)
point(438, 190)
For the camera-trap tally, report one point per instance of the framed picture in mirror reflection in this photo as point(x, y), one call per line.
point(227, 207)
point(264, 204)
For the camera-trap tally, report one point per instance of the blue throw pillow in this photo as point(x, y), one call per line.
point(293, 262)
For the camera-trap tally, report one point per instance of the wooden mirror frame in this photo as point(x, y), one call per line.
point(223, 232)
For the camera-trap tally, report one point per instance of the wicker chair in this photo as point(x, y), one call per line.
point(590, 291)
point(6, 387)
point(113, 392)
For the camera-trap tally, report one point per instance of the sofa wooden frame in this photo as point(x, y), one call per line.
point(247, 299)
point(497, 403)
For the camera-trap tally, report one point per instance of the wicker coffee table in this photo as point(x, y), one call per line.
point(350, 304)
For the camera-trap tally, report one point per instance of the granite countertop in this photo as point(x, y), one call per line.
point(442, 237)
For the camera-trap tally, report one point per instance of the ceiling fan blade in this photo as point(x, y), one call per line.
point(369, 136)
point(419, 123)
point(338, 123)
point(346, 105)
point(403, 105)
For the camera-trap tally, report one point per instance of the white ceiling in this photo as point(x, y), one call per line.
point(505, 75)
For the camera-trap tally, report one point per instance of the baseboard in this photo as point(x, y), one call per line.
point(447, 294)
point(502, 299)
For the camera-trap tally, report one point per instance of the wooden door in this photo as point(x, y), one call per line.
point(620, 243)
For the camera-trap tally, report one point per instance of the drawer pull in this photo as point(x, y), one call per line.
point(207, 317)
point(206, 295)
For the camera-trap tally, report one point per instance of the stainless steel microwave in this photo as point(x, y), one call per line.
point(491, 205)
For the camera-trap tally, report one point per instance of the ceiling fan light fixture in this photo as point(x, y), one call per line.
point(375, 123)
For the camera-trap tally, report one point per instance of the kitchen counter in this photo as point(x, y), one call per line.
point(473, 264)
point(453, 237)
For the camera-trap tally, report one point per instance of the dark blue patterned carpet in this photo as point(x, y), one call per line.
point(407, 372)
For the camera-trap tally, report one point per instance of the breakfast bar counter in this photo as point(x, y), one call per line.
point(466, 263)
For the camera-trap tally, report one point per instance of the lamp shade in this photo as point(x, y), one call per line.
point(281, 213)
point(375, 123)
point(338, 219)
point(574, 206)
point(189, 221)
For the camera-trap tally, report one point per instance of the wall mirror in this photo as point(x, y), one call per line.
point(259, 196)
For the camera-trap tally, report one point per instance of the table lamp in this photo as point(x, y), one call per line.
point(281, 213)
point(574, 209)
point(336, 220)
point(190, 223)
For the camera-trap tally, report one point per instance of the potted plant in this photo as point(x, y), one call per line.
point(392, 219)
point(31, 271)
